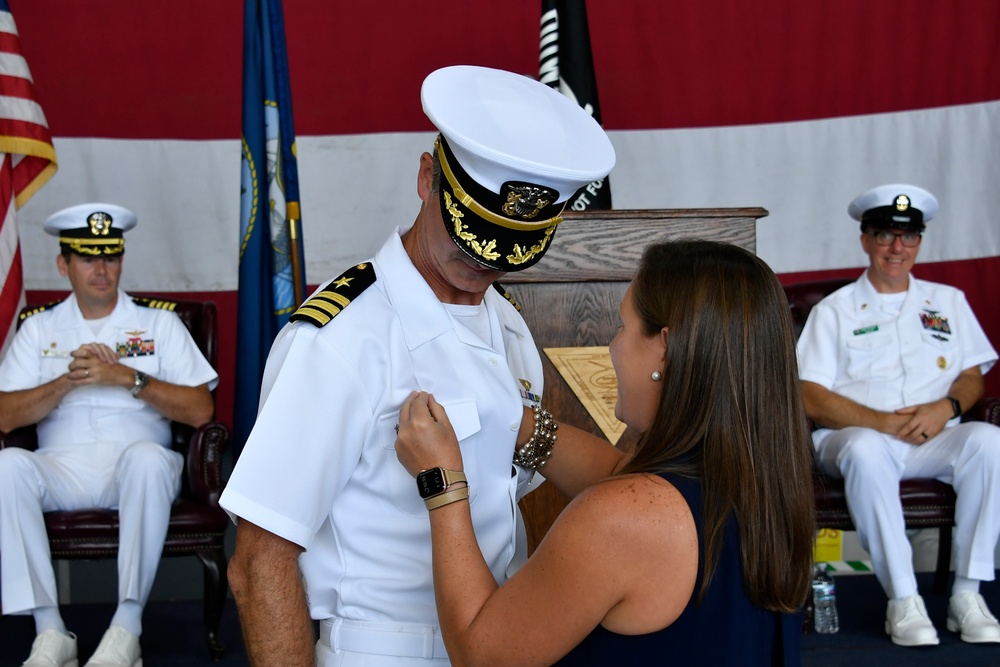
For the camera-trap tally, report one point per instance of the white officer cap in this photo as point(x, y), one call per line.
point(894, 206)
point(513, 152)
point(92, 229)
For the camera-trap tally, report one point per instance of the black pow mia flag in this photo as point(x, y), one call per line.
point(566, 64)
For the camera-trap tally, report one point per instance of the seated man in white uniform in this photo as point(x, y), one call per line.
point(318, 488)
point(888, 364)
point(101, 375)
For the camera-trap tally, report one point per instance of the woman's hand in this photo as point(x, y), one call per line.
point(425, 438)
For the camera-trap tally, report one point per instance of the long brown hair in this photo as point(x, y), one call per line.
point(730, 411)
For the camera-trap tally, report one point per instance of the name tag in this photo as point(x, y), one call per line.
point(860, 332)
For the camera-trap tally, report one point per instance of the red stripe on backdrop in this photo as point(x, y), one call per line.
point(971, 276)
point(173, 70)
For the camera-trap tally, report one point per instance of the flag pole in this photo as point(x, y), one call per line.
point(293, 251)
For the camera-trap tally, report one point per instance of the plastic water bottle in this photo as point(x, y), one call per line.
point(824, 593)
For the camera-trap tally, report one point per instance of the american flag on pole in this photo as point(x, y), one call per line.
point(28, 162)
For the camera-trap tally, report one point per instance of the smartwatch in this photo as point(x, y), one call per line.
point(436, 481)
point(139, 383)
point(956, 407)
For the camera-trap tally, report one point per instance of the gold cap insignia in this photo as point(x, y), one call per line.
point(525, 200)
point(100, 223)
point(902, 203)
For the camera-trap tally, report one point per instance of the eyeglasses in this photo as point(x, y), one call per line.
point(884, 237)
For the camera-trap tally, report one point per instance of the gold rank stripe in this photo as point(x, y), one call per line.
point(147, 302)
point(34, 310)
point(338, 294)
point(503, 291)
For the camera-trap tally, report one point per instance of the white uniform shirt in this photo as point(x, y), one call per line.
point(320, 468)
point(151, 340)
point(853, 347)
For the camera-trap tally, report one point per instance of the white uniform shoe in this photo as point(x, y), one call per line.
point(53, 649)
point(118, 648)
point(907, 624)
point(968, 614)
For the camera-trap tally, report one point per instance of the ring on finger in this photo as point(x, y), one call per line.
point(86, 374)
point(925, 435)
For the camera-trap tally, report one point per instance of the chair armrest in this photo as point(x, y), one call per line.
point(987, 409)
point(204, 462)
point(25, 437)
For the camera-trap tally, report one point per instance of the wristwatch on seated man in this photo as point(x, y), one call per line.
point(956, 407)
point(139, 383)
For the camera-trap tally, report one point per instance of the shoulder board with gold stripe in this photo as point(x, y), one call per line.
point(25, 314)
point(327, 304)
point(503, 292)
point(147, 302)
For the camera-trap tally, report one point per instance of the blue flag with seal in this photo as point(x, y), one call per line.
point(272, 279)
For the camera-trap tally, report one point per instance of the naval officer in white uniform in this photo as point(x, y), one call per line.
point(102, 375)
point(318, 486)
point(888, 364)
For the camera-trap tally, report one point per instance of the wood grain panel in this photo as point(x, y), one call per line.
point(606, 245)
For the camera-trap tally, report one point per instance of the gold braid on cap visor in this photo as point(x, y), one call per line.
point(94, 246)
point(489, 216)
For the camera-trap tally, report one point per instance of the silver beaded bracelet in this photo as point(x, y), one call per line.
point(535, 453)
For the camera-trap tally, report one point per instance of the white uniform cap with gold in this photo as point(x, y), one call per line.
point(92, 229)
point(513, 152)
point(894, 206)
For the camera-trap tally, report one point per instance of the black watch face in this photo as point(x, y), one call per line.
point(430, 483)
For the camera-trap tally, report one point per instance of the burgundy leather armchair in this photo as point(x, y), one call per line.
point(926, 502)
point(197, 524)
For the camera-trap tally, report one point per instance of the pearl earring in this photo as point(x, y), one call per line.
point(656, 376)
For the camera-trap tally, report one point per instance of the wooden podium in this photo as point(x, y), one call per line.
point(570, 299)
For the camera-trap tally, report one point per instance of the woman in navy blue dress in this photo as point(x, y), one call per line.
point(695, 547)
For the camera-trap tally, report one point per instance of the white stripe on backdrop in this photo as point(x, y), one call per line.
point(356, 188)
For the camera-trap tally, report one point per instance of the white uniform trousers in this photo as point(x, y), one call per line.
point(966, 456)
point(348, 643)
point(141, 479)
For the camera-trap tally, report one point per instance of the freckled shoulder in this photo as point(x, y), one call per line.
point(329, 302)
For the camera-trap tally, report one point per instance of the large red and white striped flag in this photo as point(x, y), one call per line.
point(792, 106)
point(28, 162)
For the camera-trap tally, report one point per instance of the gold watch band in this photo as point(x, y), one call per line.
point(447, 498)
point(453, 476)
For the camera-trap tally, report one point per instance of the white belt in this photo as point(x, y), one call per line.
point(410, 640)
